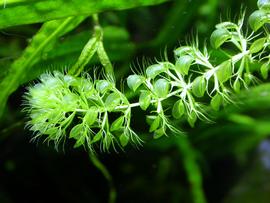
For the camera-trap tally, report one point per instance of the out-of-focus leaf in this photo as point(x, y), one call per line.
point(66, 51)
point(189, 160)
point(171, 29)
point(19, 12)
point(216, 102)
point(42, 42)
point(235, 126)
point(256, 97)
point(256, 173)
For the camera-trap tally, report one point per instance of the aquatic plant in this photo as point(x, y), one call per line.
point(65, 105)
point(84, 102)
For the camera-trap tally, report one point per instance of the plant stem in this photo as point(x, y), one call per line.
point(192, 169)
point(136, 104)
point(105, 172)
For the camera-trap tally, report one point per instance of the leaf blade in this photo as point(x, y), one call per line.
point(45, 38)
point(46, 10)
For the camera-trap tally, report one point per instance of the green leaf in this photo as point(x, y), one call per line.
point(216, 102)
point(85, 86)
point(154, 70)
point(91, 115)
point(145, 99)
point(124, 140)
point(257, 45)
point(257, 19)
point(264, 5)
point(236, 86)
point(116, 41)
point(103, 57)
point(183, 64)
point(159, 133)
point(241, 119)
point(199, 86)
point(257, 97)
point(117, 124)
point(134, 81)
point(264, 70)
point(107, 141)
point(155, 124)
point(97, 137)
point(18, 12)
point(226, 25)
point(224, 71)
point(103, 85)
point(112, 101)
point(161, 87)
point(150, 118)
point(182, 51)
point(40, 44)
point(86, 55)
point(178, 109)
point(79, 142)
point(115, 34)
point(76, 131)
point(219, 37)
point(192, 118)
point(51, 131)
point(247, 78)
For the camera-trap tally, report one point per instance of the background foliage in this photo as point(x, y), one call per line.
point(230, 157)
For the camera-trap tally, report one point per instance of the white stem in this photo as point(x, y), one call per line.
point(152, 101)
point(180, 79)
point(239, 56)
point(137, 103)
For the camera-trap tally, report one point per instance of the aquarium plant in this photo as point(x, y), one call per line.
point(72, 104)
point(90, 106)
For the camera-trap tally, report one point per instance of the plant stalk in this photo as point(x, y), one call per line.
point(105, 172)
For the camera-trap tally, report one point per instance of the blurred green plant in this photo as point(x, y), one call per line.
point(93, 110)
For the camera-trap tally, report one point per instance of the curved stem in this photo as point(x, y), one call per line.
point(192, 170)
point(105, 172)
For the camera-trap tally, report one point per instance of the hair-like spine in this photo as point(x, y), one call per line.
point(62, 105)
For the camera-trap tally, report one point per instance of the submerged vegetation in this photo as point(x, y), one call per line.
point(59, 99)
point(203, 101)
